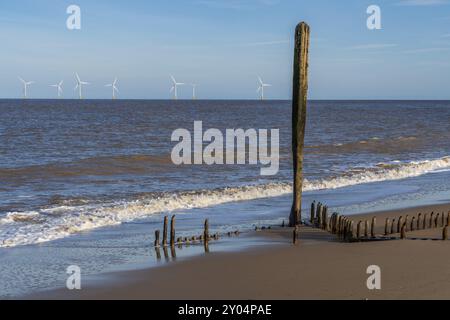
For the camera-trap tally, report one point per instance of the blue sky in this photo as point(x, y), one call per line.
point(223, 45)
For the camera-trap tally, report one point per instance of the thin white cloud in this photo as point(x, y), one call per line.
point(427, 50)
point(265, 43)
point(235, 4)
point(373, 46)
point(423, 2)
point(446, 35)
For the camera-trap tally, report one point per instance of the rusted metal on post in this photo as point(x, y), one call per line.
point(299, 104)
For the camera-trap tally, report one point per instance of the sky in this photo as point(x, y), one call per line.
point(224, 45)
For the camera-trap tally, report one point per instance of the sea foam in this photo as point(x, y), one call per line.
point(47, 224)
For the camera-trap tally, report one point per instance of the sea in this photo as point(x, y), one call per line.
point(87, 182)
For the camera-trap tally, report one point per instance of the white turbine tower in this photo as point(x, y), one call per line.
point(58, 88)
point(194, 91)
point(174, 88)
point(80, 85)
point(114, 88)
point(25, 87)
point(261, 87)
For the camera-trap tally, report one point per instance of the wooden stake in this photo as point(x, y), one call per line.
point(172, 232)
point(445, 233)
point(425, 221)
point(366, 229)
point(166, 222)
point(299, 104)
point(393, 226)
point(313, 210)
point(418, 221)
point(413, 223)
point(372, 227)
point(403, 232)
point(358, 230)
point(386, 226)
point(399, 224)
point(206, 231)
point(436, 221)
point(325, 218)
point(157, 239)
point(431, 220)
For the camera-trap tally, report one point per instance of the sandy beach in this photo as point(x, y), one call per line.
point(319, 267)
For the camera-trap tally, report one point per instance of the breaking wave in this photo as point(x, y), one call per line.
point(47, 224)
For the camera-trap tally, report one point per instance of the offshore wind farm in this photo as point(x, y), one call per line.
point(79, 84)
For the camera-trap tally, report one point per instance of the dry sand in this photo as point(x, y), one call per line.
point(318, 268)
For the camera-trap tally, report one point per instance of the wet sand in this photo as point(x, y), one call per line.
point(318, 268)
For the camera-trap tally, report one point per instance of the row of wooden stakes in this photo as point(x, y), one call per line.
point(172, 242)
point(343, 226)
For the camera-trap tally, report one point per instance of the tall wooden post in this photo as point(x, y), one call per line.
point(166, 222)
point(299, 102)
point(313, 210)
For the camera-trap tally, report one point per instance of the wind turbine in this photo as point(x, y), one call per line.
point(174, 88)
point(58, 88)
point(194, 91)
point(261, 87)
point(80, 85)
point(25, 87)
point(114, 88)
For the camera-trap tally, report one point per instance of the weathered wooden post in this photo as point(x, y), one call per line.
point(372, 227)
point(206, 233)
point(325, 218)
point(319, 216)
point(157, 239)
point(399, 224)
point(403, 232)
point(418, 221)
point(448, 219)
point(313, 210)
point(386, 227)
point(413, 223)
point(166, 253)
point(445, 233)
point(366, 229)
point(158, 253)
point(431, 220)
point(166, 222)
point(443, 219)
point(299, 103)
point(350, 231)
point(393, 226)
point(436, 220)
point(425, 221)
point(172, 232)
point(406, 222)
point(358, 230)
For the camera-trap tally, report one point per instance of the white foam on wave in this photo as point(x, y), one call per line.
point(24, 228)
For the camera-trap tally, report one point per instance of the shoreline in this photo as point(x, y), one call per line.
point(320, 267)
